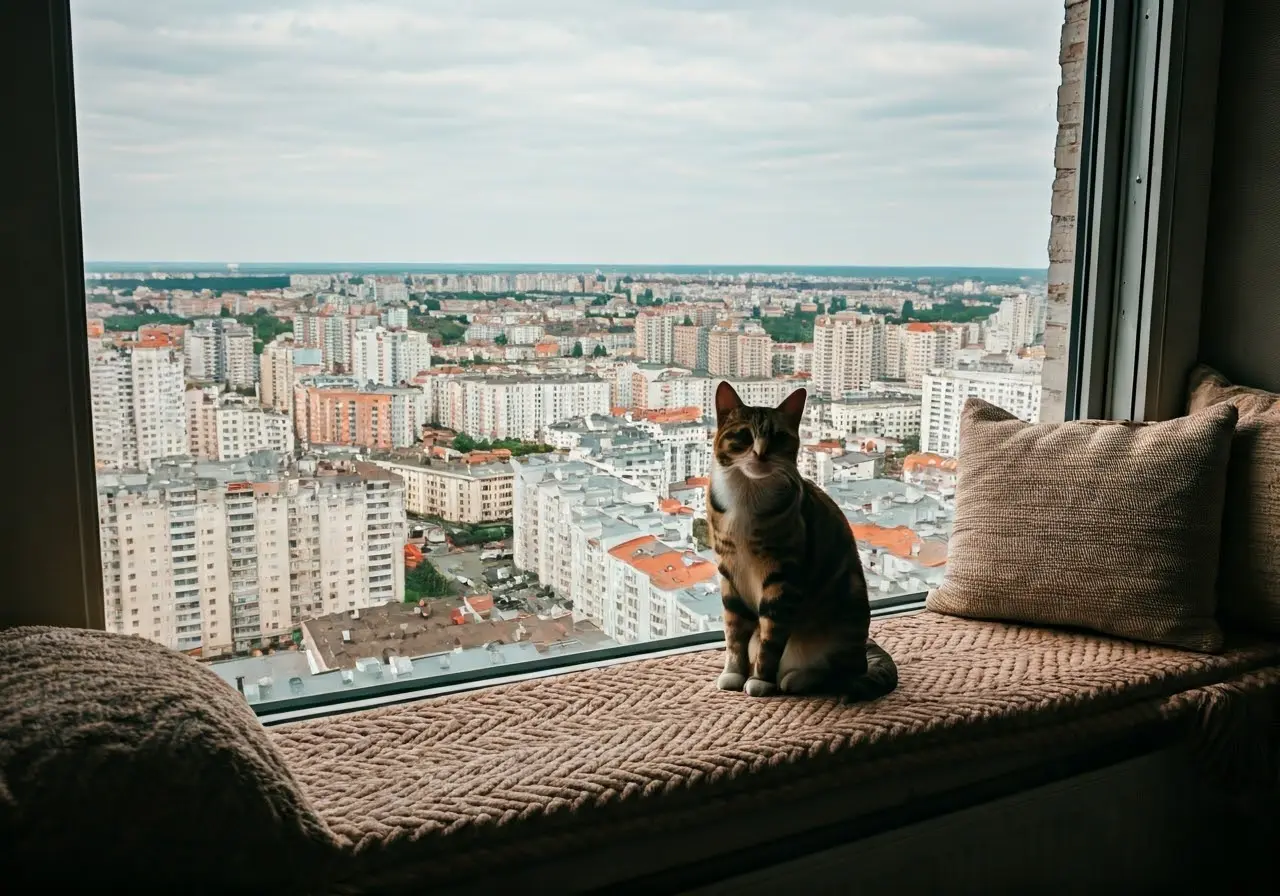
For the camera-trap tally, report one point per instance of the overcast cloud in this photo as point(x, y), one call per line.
point(609, 131)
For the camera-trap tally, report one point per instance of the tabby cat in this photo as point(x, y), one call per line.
point(796, 611)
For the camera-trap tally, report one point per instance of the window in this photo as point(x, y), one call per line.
point(689, 190)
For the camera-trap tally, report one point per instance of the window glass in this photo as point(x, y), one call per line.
point(406, 318)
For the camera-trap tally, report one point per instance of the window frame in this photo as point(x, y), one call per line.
point(1150, 89)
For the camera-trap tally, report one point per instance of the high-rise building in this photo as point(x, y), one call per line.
point(220, 350)
point(227, 426)
point(340, 410)
point(395, 317)
point(389, 357)
point(691, 346)
point(945, 393)
point(884, 413)
point(848, 353)
point(136, 397)
point(457, 492)
point(655, 336)
point(603, 543)
point(754, 354)
point(1020, 321)
point(275, 374)
point(792, 357)
point(925, 347)
point(518, 407)
point(731, 352)
point(219, 557)
point(332, 333)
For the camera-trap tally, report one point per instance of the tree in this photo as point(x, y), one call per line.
point(464, 443)
point(908, 309)
point(688, 321)
point(755, 312)
point(910, 444)
point(424, 580)
point(577, 349)
point(431, 304)
point(821, 308)
point(500, 339)
point(225, 312)
point(702, 534)
point(599, 351)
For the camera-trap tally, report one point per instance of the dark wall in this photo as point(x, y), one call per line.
point(1240, 326)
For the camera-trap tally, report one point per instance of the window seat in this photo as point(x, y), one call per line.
point(591, 766)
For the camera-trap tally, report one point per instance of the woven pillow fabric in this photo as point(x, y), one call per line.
point(1249, 580)
point(1108, 526)
point(128, 767)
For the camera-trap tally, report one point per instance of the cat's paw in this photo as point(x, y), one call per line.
point(731, 681)
point(758, 687)
point(800, 681)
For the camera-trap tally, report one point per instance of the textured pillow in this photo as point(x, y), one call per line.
point(1249, 583)
point(1112, 527)
point(128, 767)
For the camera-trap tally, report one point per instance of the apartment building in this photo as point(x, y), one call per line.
point(220, 350)
point(1019, 322)
point(570, 517)
point(792, 357)
point(692, 346)
point(389, 357)
point(655, 336)
point(332, 332)
point(226, 426)
point(395, 317)
point(894, 415)
point(848, 353)
point(945, 393)
point(136, 397)
point(339, 410)
point(733, 353)
point(518, 407)
point(220, 557)
point(644, 579)
point(457, 492)
point(921, 348)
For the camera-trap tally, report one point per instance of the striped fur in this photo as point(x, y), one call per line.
point(795, 600)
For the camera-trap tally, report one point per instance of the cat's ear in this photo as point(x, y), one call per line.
point(792, 408)
point(727, 401)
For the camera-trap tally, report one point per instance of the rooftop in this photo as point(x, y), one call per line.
point(394, 629)
point(667, 568)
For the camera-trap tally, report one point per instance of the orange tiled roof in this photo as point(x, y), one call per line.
point(917, 327)
point(927, 460)
point(671, 505)
point(687, 414)
point(900, 541)
point(666, 570)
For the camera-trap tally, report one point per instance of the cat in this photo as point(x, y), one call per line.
point(796, 611)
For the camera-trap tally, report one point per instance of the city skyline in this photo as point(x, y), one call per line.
point(640, 133)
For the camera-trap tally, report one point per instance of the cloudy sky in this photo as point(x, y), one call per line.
point(567, 131)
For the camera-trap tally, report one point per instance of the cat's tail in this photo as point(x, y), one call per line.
point(881, 676)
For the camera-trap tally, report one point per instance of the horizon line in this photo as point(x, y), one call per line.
point(560, 264)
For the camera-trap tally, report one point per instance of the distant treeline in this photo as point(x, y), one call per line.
point(221, 284)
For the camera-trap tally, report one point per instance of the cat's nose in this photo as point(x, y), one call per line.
point(758, 448)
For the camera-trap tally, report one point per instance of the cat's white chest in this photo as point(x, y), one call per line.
point(728, 500)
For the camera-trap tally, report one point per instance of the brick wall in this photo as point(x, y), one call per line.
point(1062, 231)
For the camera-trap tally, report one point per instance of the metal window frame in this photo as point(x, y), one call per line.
point(1167, 61)
point(1150, 102)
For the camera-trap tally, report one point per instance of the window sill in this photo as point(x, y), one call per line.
point(585, 767)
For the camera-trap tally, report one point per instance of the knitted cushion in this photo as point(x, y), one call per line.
point(1112, 527)
point(125, 765)
point(1249, 583)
